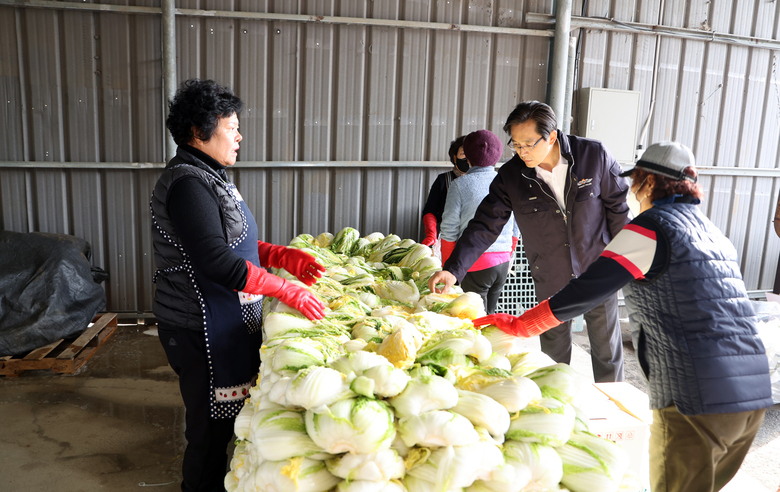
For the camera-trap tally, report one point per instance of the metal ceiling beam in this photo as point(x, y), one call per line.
point(322, 19)
point(603, 24)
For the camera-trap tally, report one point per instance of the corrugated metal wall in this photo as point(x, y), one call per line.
point(373, 108)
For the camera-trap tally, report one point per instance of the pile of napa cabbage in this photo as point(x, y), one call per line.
point(395, 390)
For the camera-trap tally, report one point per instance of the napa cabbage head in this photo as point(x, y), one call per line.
point(547, 421)
point(543, 461)
point(424, 394)
point(280, 434)
point(455, 467)
point(294, 475)
point(468, 305)
point(380, 466)
point(356, 425)
point(592, 463)
point(559, 381)
point(483, 411)
point(437, 428)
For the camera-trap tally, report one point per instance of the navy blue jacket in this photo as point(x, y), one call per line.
point(559, 244)
point(697, 340)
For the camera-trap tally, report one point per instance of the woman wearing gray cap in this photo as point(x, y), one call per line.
point(693, 325)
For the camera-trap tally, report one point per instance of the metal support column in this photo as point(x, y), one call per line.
point(566, 124)
point(169, 67)
point(560, 58)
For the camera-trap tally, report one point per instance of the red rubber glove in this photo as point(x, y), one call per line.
point(514, 244)
point(446, 250)
point(429, 221)
point(259, 281)
point(533, 322)
point(299, 263)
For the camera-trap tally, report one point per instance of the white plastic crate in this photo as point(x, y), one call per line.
point(518, 293)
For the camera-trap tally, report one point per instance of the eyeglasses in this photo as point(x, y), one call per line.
point(519, 148)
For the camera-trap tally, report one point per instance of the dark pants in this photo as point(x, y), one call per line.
point(606, 342)
point(699, 453)
point(205, 460)
point(487, 283)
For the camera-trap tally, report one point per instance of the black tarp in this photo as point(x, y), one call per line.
point(48, 289)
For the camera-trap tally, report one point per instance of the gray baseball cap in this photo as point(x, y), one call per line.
point(667, 159)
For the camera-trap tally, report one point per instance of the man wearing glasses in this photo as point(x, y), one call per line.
point(569, 201)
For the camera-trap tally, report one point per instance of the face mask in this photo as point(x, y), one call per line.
point(634, 205)
point(462, 165)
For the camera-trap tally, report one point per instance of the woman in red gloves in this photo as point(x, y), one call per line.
point(437, 197)
point(692, 323)
point(487, 275)
point(210, 276)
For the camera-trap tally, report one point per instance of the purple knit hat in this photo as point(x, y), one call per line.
point(483, 148)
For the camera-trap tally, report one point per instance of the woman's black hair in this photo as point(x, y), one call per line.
point(199, 104)
point(455, 146)
point(540, 113)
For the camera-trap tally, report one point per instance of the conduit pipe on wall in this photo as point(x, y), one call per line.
point(560, 59)
point(566, 125)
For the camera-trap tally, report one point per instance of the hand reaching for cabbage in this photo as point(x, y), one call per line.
point(441, 277)
point(534, 321)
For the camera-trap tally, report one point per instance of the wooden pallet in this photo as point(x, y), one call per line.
point(63, 356)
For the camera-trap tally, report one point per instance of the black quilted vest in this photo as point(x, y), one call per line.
point(697, 334)
point(175, 300)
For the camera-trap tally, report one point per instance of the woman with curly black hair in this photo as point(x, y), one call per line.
point(693, 326)
point(210, 276)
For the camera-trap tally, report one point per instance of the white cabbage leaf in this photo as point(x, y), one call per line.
point(468, 305)
point(398, 290)
point(548, 421)
point(454, 467)
point(483, 411)
point(277, 323)
point(280, 434)
point(509, 477)
point(545, 464)
point(527, 362)
point(559, 381)
point(311, 388)
point(437, 428)
point(592, 463)
point(381, 466)
point(443, 344)
point(355, 425)
point(424, 394)
point(503, 343)
point(243, 422)
point(293, 475)
point(514, 393)
point(366, 486)
point(497, 361)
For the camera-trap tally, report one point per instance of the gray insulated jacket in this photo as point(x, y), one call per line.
point(175, 299)
point(695, 326)
point(559, 244)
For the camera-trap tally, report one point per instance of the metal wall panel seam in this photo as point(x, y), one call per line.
point(22, 85)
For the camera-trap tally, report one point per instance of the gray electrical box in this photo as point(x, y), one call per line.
point(612, 116)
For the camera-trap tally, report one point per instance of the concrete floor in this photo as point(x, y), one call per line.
point(118, 424)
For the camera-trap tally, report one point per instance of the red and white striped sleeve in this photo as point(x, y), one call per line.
point(634, 249)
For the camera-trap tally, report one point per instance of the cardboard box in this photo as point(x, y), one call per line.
point(620, 412)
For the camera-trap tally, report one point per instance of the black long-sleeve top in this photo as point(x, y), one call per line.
point(197, 218)
point(639, 251)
